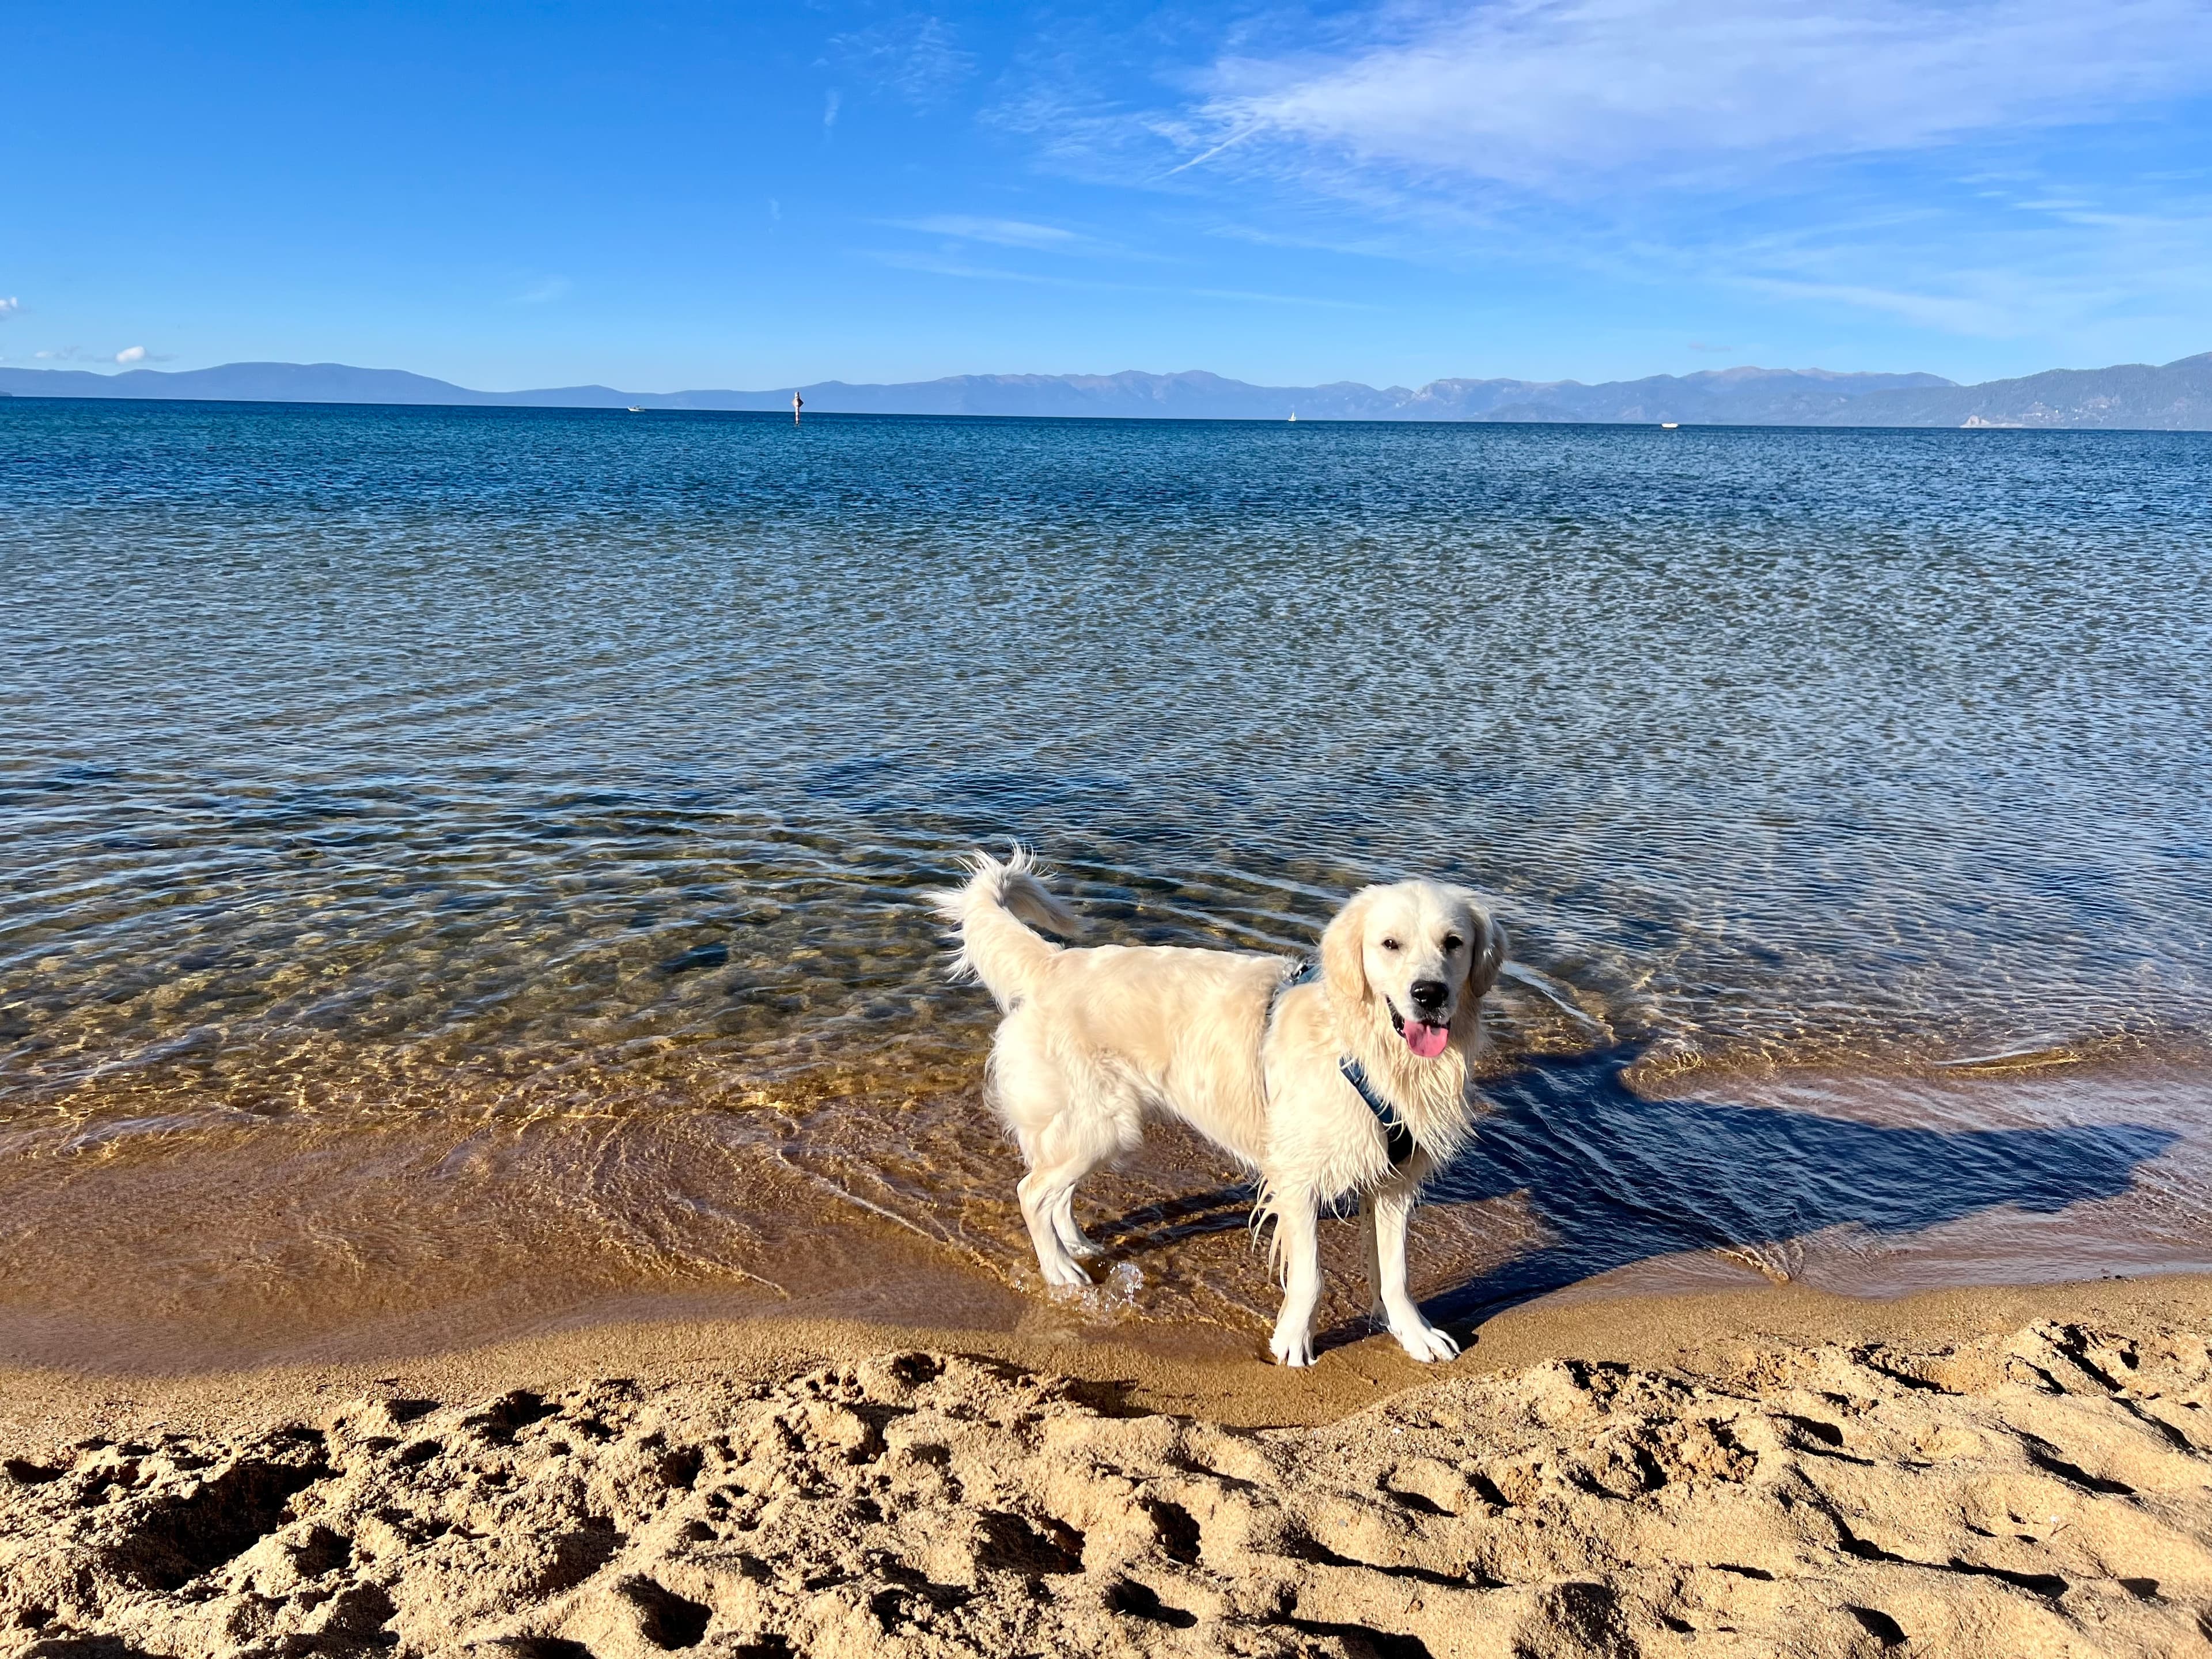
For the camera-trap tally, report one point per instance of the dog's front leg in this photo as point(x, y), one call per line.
point(1384, 1214)
point(1297, 1236)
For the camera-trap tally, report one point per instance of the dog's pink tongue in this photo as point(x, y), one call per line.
point(1425, 1040)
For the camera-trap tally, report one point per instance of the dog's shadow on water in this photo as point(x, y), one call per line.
point(1614, 1177)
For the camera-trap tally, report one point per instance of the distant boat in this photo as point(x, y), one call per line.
point(1669, 425)
point(637, 409)
point(1294, 414)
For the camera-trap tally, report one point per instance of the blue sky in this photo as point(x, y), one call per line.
point(658, 196)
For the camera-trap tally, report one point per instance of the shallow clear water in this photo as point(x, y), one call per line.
point(444, 851)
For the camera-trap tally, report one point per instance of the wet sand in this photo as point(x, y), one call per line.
point(1988, 1471)
point(181, 1235)
point(1222, 1376)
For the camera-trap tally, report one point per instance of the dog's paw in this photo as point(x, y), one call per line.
point(1293, 1351)
point(1065, 1275)
point(1084, 1249)
point(1426, 1343)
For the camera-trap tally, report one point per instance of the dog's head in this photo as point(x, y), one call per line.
point(1417, 952)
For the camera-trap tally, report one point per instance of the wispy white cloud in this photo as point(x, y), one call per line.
point(829, 102)
point(939, 264)
point(1997, 169)
point(1028, 236)
point(1558, 96)
point(544, 291)
point(1259, 297)
point(2022, 267)
point(936, 265)
point(9, 306)
point(129, 357)
point(1952, 314)
point(911, 56)
point(1002, 233)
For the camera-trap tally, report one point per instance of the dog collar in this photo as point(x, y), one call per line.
point(1398, 1139)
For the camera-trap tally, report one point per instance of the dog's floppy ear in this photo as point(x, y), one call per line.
point(1488, 956)
point(1495, 945)
point(1344, 953)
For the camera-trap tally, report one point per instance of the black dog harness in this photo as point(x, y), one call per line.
point(1398, 1139)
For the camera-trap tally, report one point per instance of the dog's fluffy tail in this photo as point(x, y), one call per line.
point(989, 912)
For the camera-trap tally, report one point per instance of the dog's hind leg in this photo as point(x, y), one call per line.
point(1069, 1150)
point(1040, 1190)
point(1033, 1093)
point(1113, 1114)
point(1073, 1239)
point(1064, 1146)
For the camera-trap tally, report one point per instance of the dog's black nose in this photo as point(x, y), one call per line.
point(1429, 994)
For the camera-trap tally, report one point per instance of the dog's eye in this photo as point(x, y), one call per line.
point(1452, 942)
point(1390, 944)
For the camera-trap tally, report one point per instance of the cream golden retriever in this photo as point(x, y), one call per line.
point(1354, 1081)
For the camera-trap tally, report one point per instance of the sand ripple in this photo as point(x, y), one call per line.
point(2041, 1493)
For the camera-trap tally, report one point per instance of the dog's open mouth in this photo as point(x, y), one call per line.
point(1424, 1039)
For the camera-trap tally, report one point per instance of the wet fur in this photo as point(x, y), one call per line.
point(1095, 1039)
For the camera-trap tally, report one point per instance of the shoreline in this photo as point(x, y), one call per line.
point(1221, 1375)
point(1973, 1471)
point(345, 1240)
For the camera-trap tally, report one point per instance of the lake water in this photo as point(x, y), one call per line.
point(459, 869)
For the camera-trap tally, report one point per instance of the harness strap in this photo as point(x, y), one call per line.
point(1398, 1139)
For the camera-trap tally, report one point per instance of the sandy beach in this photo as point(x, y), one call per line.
point(1985, 1472)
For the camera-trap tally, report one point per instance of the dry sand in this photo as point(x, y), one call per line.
point(1973, 1472)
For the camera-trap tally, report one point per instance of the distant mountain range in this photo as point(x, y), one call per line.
point(2176, 397)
